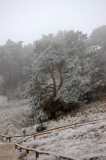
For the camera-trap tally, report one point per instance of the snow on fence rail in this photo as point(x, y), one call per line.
point(62, 128)
point(38, 152)
point(7, 137)
point(50, 130)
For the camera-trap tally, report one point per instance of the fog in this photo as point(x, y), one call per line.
point(58, 80)
point(27, 20)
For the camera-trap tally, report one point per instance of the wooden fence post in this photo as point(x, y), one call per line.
point(36, 155)
point(27, 151)
point(34, 137)
point(9, 139)
point(15, 146)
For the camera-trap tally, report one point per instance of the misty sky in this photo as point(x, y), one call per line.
point(27, 20)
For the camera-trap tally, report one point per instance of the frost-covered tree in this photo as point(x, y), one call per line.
point(54, 64)
point(65, 68)
point(13, 56)
point(98, 37)
point(98, 41)
point(2, 85)
point(86, 77)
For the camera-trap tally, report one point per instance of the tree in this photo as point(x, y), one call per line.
point(54, 63)
point(2, 85)
point(98, 38)
point(13, 57)
point(66, 67)
point(97, 42)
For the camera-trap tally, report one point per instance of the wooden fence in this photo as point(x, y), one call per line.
point(50, 130)
point(38, 152)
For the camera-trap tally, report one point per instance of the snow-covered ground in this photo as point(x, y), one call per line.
point(84, 142)
point(87, 142)
point(11, 117)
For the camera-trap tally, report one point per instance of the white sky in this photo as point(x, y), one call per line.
point(27, 20)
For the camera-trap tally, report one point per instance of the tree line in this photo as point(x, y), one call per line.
point(61, 71)
point(13, 57)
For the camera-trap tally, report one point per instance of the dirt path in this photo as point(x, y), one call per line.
point(7, 152)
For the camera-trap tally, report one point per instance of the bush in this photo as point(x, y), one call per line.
point(69, 107)
point(40, 128)
point(24, 132)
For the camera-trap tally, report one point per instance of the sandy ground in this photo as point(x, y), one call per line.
point(7, 152)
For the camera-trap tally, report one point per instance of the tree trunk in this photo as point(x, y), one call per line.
point(54, 82)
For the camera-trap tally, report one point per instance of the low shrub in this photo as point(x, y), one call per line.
point(40, 128)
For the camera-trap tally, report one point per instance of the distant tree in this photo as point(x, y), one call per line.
point(98, 44)
point(13, 57)
point(98, 37)
point(2, 85)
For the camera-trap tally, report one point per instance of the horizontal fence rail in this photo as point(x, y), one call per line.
point(10, 137)
point(62, 128)
point(7, 137)
point(50, 130)
point(37, 152)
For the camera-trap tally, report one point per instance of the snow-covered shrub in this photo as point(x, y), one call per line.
point(35, 116)
point(91, 128)
point(24, 132)
point(40, 128)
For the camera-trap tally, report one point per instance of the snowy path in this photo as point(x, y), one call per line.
point(7, 152)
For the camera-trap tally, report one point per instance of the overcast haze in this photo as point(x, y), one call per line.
point(27, 20)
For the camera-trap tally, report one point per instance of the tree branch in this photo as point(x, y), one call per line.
point(61, 77)
point(44, 89)
point(54, 82)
